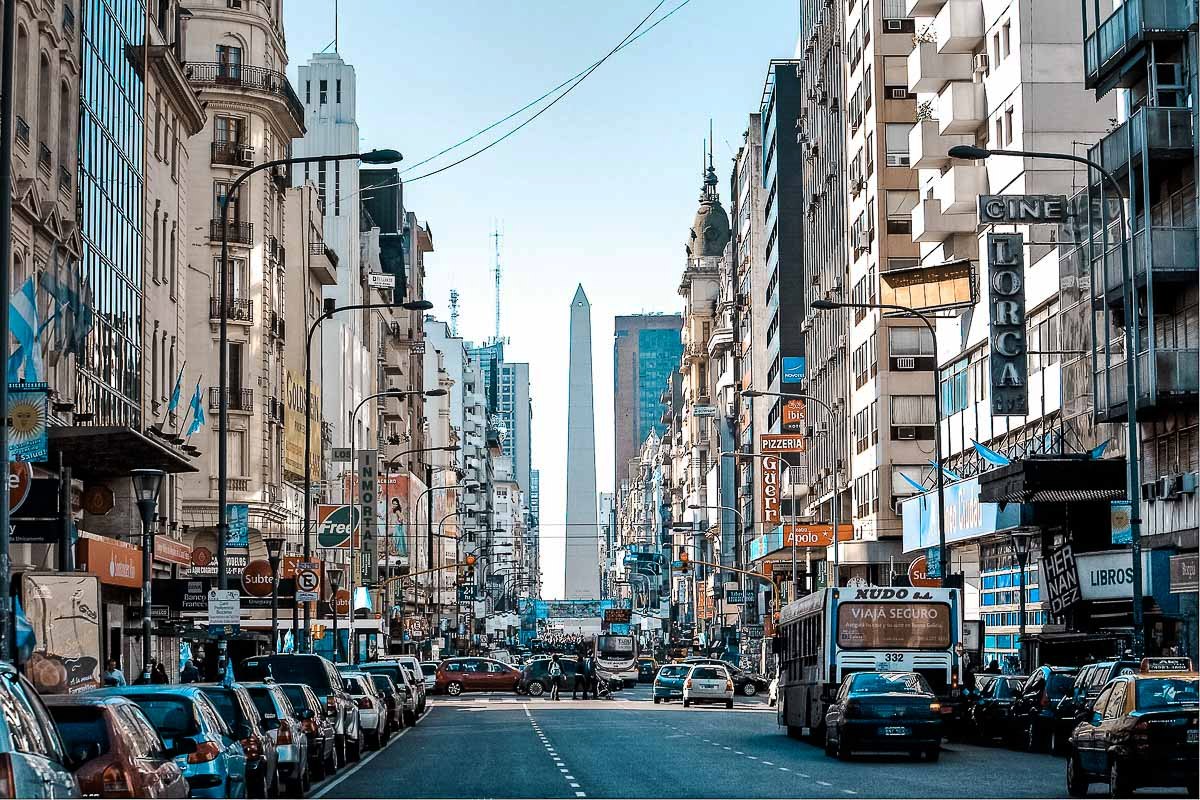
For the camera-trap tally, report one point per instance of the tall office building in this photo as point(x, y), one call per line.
point(506, 387)
point(582, 581)
point(646, 350)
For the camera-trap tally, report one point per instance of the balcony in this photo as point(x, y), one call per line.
point(922, 8)
point(22, 131)
point(1169, 252)
point(959, 187)
point(930, 70)
point(1130, 24)
point(234, 154)
point(238, 399)
point(1161, 132)
point(928, 148)
point(1169, 380)
point(239, 232)
point(931, 224)
point(961, 107)
point(240, 309)
point(255, 78)
point(959, 27)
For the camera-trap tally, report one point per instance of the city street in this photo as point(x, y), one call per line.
point(509, 746)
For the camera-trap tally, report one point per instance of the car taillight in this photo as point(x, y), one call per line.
point(8, 787)
point(687, 684)
point(935, 707)
point(115, 782)
point(363, 702)
point(253, 747)
point(729, 686)
point(1045, 701)
point(285, 732)
point(205, 752)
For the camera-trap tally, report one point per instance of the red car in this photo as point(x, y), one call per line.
point(458, 675)
point(118, 751)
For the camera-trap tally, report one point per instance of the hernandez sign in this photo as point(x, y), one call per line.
point(1006, 282)
point(1060, 579)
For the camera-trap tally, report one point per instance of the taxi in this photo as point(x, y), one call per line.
point(1141, 731)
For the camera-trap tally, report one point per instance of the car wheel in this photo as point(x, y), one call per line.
point(410, 718)
point(842, 752)
point(729, 704)
point(830, 747)
point(454, 688)
point(933, 754)
point(1032, 741)
point(657, 700)
point(331, 764)
point(750, 689)
point(536, 689)
point(273, 789)
point(1120, 783)
point(686, 702)
point(1077, 780)
point(354, 749)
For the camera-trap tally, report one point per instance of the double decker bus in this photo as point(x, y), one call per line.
point(835, 632)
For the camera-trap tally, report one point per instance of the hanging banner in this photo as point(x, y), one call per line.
point(237, 534)
point(28, 409)
point(1119, 513)
point(768, 475)
point(64, 610)
point(1009, 363)
point(293, 427)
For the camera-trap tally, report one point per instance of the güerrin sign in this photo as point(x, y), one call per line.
point(1009, 364)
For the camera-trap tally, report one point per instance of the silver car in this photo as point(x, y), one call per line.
point(282, 725)
point(372, 709)
point(37, 762)
point(708, 683)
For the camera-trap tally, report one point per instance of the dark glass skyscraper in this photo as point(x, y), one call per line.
point(646, 350)
point(110, 213)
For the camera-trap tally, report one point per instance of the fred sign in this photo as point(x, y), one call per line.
point(335, 525)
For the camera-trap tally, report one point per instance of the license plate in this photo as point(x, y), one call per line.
point(895, 730)
point(1193, 736)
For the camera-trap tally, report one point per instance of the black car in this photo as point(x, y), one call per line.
point(1089, 682)
point(535, 682)
point(647, 669)
point(1039, 719)
point(393, 695)
point(1141, 731)
point(991, 713)
point(884, 711)
point(745, 683)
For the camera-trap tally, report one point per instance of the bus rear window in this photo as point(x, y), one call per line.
point(893, 626)
point(614, 645)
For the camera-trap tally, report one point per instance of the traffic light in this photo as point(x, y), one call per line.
point(469, 572)
point(683, 560)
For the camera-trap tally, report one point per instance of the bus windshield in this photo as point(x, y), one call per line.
point(893, 626)
point(616, 646)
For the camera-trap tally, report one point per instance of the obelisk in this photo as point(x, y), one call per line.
point(582, 580)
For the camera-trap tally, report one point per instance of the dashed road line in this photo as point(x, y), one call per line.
point(825, 783)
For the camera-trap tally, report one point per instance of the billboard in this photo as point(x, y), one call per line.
point(335, 525)
point(769, 467)
point(1006, 322)
point(293, 427)
point(930, 288)
point(64, 610)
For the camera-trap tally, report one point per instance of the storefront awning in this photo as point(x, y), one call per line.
point(1054, 480)
point(104, 452)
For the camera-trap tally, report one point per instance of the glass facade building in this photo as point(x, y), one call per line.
point(659, 352)
point(110, 213)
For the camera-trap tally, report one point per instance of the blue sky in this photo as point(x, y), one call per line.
point(600, 190)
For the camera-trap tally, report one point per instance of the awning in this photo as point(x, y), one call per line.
point(104, 452)
point(1054, 480)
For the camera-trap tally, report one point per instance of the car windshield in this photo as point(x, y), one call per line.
point(263, 701)
point(1007, 688)
point(82, 727)
point(382, 683)
point(305, 669)
point(429, 669)
point(1060, 683)
point(1164, 693)
point(297, 697)
point(171, 716)
point(885, 683)
point(673, 672)
point(355, 686)
point(708, 673)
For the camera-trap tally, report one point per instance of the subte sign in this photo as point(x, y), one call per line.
point(918, 574)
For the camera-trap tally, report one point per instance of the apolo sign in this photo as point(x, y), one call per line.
point(335, 525)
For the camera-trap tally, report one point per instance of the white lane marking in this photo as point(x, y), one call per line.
point(802, 775)
point(825, 783)
point(768, 763)
point(784, 769)
point(569, 777)
point(369, 758)
point(739, 752)
point(849, 791)
point(563, 770)
point(752, 758)
point(574, 785)
point(726, 748)
point(581, 794)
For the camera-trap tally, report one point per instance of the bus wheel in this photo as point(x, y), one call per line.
point(795, 732)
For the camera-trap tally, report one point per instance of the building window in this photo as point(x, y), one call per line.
point(21, 75)
point(154, 248)
point(308, 92)
point(953, 385)
point(323, 92)
point(1006, 39)
point(337, 188)
point(1008, 125)
point(227, 129)
point(896, 140)
point(337, 87)
point(229, 62)
point(911, 417)
point(900, 205)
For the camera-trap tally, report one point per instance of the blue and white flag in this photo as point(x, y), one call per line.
point(197, 411)
point(289, 642)
point(991, 456)
point(174, 404)
point(912, 483)
point(949, 473)
point(1097, 452)
point(23, 324)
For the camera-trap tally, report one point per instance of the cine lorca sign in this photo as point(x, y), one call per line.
point(1009, 361)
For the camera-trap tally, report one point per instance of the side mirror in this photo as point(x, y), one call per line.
point(1095, 718)
point(182, 746)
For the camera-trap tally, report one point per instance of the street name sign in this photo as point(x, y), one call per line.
point(224, 608)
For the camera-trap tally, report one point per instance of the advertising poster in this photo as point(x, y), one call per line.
point(293, 427)
point(27, 408)
point(64, 610)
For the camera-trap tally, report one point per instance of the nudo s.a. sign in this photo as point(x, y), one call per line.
point(1009, 364)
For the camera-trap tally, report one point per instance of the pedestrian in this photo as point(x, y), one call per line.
point(190, 673)
point(580, 680)
point(113, 675)
point(159, 674)
point(993, 668)
point(555, 673)
point(589, 676)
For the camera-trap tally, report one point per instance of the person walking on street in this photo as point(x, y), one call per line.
point(555, 673)
point(588, 668)
point(159, 674)
point(113, 675)
point(580, 681)
point(189, 674)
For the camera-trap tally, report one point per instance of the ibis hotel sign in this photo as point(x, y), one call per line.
point(1009, 364)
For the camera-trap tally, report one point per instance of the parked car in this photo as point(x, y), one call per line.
point(395, 698)
point(33, 759)
point(534, 680)
point(390, 667)
point(372, 709)
point(429, 673)
point(458, 675)
point(281, 724)
point(1039, 720)
point(668, 683)
point(1141, 731)
point(318, 729)
point(884, 711)
point(647, 669)
point(1076, 705)
point(217, 768)
point(322, 677)
point(744, 682)
point(114, 750)
point(262, 758)
point(707, 683)
point(991, 714)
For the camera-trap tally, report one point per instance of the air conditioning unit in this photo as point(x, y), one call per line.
point(1189, 483)
point(1150, 491)
point(981, 63)
point(862, 240)
point(906, 432)
point(857, 185)
point(246, 155)
point(906, 362)
point(893, 24)
point(898, 93)
point(1170, 486)
point(898, 159)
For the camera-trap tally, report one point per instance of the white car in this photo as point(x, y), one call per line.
point(429, 672)
point(372, 709)
point(708, 683)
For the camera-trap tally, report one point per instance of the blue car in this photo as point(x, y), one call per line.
point(668, 683)
point(217, 768)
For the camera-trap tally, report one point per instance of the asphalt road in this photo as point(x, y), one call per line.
point(517, 747)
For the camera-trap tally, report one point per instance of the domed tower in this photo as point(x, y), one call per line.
point(710, 229)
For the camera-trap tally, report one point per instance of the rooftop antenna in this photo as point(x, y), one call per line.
point(496, 243)
point(454, 313)
point(335, 29)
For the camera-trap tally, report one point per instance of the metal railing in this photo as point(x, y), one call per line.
point(238, 399)
point(209, 73)
point(233, 154)
point(1127, 26)
point(240, 309)
point(239, 232)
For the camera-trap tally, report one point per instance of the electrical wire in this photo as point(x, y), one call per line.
point(587, 73)
point(534, 102)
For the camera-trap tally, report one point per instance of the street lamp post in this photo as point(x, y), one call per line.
point(146, 486)
point(274, 546)
point(741, 527)
point(1133, 477)
point(1020, 541)
point(835, 506)
point(412, 305)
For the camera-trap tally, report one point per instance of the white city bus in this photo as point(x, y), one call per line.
point(835, 632)
point(616, 657)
